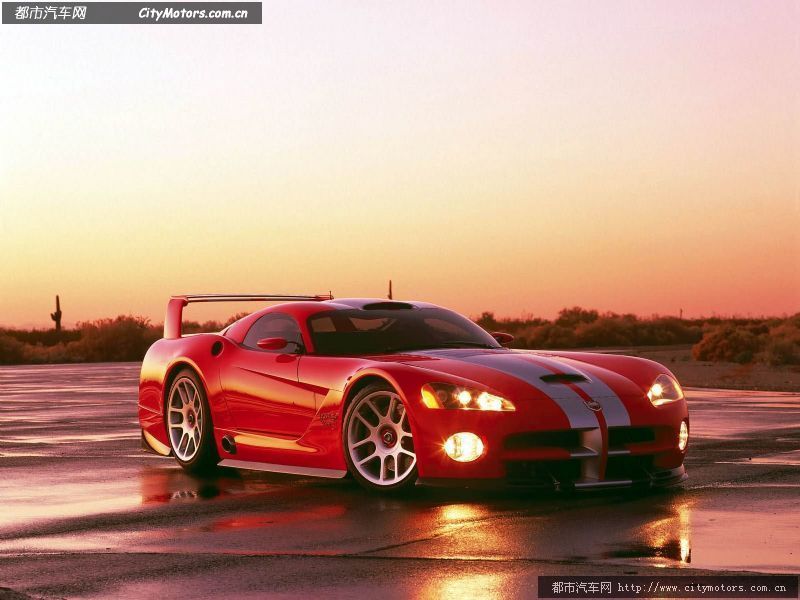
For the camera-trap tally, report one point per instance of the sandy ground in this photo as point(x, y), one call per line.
point(85, 513)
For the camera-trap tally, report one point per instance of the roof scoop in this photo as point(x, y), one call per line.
point(564, 378)
point(388, 305)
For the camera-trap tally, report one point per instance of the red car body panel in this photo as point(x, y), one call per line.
point(287, 409)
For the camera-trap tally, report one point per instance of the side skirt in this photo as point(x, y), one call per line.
point(287, 469)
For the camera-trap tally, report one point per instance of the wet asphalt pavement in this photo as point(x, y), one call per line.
point(85, 513)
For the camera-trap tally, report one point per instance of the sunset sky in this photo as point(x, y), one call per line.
point(517, 157)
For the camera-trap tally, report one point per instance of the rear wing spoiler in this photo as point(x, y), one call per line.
point(174, 317)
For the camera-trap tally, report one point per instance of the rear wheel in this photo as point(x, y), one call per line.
point(379, 447)
point(188, 420)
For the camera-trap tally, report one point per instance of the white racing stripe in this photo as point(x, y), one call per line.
point(613, 409)
point(518, 365)
point(570, 402)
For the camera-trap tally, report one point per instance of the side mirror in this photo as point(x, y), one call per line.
point(273, 343)
point(503, 338)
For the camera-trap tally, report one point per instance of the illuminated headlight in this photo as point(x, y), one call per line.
point(445, 395)
point(683, 436)
point(665, 389)
point(463, 447)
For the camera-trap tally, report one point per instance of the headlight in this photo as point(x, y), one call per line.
point(665, 389)
point(445, 395)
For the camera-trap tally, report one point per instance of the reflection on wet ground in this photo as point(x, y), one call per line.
point(732, 413)
point(73, 481)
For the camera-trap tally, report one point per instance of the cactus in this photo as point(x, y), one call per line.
point(390, 290)
point(56, 316)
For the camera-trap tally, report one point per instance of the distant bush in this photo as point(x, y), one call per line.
point(572, 317)
point(728, 343)
point(771, 341)
point(195, 327)
point(124, 338)
point(774, 342)
point(579, 328)
point(209, 326)
point(12, 351)
point(783, 345)
point(547, 335)
point(121, 339)
point(43, 337)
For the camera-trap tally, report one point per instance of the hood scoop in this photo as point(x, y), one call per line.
point(564, 378)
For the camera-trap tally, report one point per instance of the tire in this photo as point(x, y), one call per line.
point(188, 422)
point(377, 440)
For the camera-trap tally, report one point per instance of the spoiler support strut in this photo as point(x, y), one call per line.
point(174, 317)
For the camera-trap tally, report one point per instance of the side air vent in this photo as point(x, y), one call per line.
point(388, 306)
point(564, 378)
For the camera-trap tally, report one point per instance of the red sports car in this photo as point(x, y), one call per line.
point(403, 393)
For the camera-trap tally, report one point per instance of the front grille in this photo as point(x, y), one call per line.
point(623, 463)
point(567, 439)
point(621, 436)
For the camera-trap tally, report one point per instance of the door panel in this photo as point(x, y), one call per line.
point(264, 395)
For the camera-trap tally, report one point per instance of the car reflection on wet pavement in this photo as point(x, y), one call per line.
point(86, 513)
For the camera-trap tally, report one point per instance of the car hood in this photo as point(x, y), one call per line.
point(528, 377)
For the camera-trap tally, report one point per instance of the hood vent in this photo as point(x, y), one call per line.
point(564, 378)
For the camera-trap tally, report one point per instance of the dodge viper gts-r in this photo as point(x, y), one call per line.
point(403, 393)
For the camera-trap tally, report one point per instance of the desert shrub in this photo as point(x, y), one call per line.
point(547, 336)
point(44, 337)
point(613, 330)
point(234, 318)
point(665, 331)
point(783, 344)
point(729, 343)
point(42, 354)
point(572, 317)
point(195, 327)
point(121, 339)
point(488, 322)
point(12, 351)
point(775, 341)
point(579, 328)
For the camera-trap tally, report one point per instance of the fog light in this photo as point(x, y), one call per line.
point(683, 436)
point(464, 446)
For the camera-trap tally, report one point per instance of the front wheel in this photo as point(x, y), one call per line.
point(191, 435)
point(379, 447)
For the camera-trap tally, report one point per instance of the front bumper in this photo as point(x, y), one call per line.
point(650, 480)
point(521, 451)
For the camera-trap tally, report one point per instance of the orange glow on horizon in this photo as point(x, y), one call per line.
point(517, 159)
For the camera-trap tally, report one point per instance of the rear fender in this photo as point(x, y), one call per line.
point(164, 359)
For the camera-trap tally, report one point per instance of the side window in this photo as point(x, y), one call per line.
point(274, 325)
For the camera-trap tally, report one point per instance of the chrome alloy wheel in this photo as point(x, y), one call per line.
point(379, 439)
point(185, 419)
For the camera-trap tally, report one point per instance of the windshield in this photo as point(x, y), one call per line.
point(359, 331)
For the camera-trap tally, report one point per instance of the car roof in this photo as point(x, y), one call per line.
point(301, 310)
point(304, 309)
